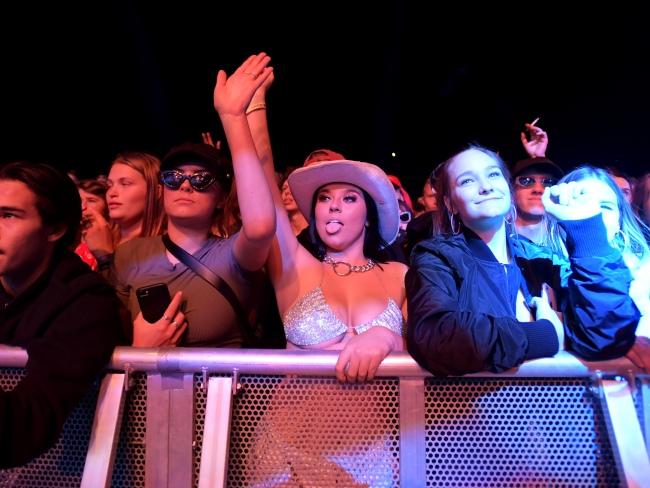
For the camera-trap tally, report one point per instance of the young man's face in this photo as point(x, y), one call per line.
point(24, 240)
point(529, 188)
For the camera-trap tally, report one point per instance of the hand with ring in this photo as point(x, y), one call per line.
point(232, 94)
point(164, 332)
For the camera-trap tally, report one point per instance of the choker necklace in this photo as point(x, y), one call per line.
point(341, 268)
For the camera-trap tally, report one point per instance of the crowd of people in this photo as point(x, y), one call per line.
point(489, 267)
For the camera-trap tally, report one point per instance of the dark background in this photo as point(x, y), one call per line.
point(80, 83)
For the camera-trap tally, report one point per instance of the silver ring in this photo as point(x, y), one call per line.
point(250, 73)
point(166, 318)
point(174, 323)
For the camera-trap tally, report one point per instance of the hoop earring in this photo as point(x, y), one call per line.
point(513, 215)
point(620, 240)
point(451, 224)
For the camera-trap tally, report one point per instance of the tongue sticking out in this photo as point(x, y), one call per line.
point(333, 227)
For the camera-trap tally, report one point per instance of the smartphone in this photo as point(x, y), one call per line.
point(153, 300)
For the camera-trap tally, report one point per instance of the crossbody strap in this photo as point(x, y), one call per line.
point(212, 278)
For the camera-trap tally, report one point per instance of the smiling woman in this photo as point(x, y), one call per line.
point(482, 299)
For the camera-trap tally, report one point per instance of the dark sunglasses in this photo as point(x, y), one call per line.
point(405, 216)
point(200, 181)
point(528, 181)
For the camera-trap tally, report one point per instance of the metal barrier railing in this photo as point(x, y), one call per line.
point(206, 408)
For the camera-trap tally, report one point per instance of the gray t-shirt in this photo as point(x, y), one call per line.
point(212, 322)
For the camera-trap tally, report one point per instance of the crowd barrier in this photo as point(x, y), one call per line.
point(217, 417)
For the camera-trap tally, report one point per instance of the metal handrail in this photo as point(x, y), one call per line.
point(315, 363)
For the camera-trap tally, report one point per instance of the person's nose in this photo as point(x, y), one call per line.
point(334, 206)
point(185, 186)
point(538, 188)
point(486, 186)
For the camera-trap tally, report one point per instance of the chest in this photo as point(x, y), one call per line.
point(493, 288)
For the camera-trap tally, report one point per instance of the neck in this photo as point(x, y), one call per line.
point(189, 238)
point(352, 254)
point(130, 231)
point(495, 238)
point(531, 229)
point(18, 282)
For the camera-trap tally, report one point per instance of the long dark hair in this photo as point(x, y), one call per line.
point(373, 243)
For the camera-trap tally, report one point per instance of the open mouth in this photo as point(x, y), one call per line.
point(333, 226)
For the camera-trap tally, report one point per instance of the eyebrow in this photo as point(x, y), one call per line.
point(351, 189)
point(472, 172)
point(12, 209)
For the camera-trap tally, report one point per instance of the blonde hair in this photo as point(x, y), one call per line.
point(148, 165)
point(630, 238)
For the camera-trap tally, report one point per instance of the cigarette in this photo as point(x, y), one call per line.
point(535, 121)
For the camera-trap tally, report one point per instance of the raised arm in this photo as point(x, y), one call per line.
point(538, 143)
point(600, 315)
point(285, 247)
point(232, 94)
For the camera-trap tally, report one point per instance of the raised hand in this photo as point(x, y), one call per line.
point(536, 146)
point(206, 137)
point(259, 98)
point(96, 233)
point(575, 200)
point(232, 94)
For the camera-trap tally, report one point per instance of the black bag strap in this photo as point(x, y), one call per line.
point(212, 278)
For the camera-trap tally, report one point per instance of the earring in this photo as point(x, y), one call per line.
point(512, 214)
point(451, 224)
point(620, 240)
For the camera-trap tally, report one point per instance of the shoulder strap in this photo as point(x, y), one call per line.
point(213, 279)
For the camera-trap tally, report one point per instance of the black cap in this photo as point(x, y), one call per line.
point(204, 155)
point(544, 165)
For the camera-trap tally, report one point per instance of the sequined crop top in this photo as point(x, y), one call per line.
point(311, 321)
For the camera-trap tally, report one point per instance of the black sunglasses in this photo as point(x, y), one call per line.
point(200, 181)
point(528, 181)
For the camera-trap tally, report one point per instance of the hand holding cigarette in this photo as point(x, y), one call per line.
point(538, 142)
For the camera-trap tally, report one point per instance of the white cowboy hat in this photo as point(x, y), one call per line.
point(305, 181)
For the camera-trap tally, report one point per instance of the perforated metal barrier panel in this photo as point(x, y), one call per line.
point(129, 468)
point(62, 465)
point(516, 433)
point(314, 432)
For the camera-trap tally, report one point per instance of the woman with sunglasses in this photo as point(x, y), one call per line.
point(482, 299)
point(196, 181)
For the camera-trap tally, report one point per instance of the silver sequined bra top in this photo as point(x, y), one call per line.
point(311, 321)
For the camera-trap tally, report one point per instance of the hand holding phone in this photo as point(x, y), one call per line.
point(166, 331)
point(153, 300)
